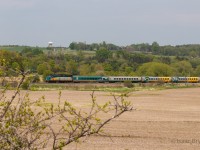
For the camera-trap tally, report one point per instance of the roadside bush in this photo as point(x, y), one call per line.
point(35, 79)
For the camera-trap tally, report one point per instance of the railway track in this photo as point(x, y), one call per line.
point(114, 84)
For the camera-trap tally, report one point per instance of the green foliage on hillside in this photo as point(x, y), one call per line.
point(155, 69)
point(133, 60)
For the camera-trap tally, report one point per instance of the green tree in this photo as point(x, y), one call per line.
point(128, 70)
point(42, 68)
point(102, 55)
point(155, 69)
point(182, 68)
point(107, 67)
point(155, 47)
point(72, 46)
point(86, 69)
point(72, 68)
point(197, 71)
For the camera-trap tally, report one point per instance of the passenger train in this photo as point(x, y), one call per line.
point(63, 78)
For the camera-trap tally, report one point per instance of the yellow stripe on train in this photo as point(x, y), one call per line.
point(192, 79)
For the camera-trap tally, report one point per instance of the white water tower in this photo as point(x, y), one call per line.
point(50, 44)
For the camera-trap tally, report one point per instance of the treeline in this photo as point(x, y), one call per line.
point(191, 50)
point(93, 46)
point(101, 62)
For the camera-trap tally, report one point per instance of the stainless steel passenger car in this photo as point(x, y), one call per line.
point(124, 78)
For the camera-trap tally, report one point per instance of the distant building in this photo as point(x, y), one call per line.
point(50, 44)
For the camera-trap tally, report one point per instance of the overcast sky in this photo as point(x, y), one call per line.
point(121, 22)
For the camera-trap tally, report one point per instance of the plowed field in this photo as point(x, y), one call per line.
point(166, 119)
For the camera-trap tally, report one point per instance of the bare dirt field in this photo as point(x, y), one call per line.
point(166, 119)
